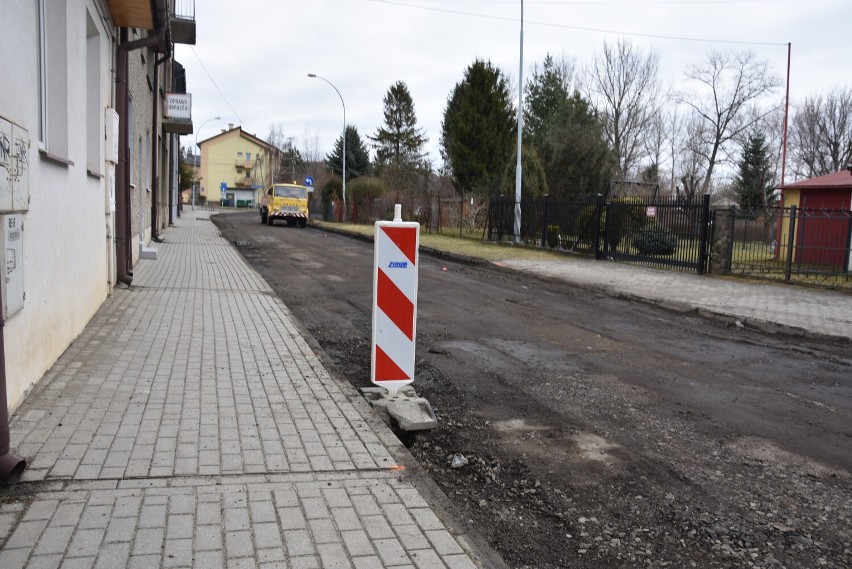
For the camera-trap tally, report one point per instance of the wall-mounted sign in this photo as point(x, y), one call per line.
point(178, 106)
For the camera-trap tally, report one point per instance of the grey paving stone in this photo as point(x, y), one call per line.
point(267, 535)
point(40, 510)
point(209, 560)
point(324, 531)
point(26, 534)
point(292, 518)
point(54, 540)
point(177, 553)
point(86, 542)
point(208, 537)
point(78, 563)
point(45, 561)
point(148, 542)
point(391, 551)
point(305, 562)
point(14, 557)
point(299, 543)
point(238, 544)
point(143, 561)
point(333, 556)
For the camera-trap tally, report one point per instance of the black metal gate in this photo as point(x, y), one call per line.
point(653, 232)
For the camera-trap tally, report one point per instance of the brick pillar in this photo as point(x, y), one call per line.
point(722, 244)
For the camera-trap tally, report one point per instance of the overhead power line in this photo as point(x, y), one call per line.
point(585, 28)
point(215, 85)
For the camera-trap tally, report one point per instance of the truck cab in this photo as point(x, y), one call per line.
point(285, 202)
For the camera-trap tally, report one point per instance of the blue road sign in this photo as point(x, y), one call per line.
point(309, 181)
point(223, 186)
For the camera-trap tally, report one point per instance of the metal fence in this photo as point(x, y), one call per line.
point(793, 244)
point(653, 232)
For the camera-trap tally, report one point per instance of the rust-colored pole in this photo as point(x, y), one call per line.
point(11, 466)
point(784, 139)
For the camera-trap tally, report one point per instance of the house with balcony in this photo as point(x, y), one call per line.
point(88, 162)
point(232, 168)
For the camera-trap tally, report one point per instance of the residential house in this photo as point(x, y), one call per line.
point(88, 162)
point(233, 169)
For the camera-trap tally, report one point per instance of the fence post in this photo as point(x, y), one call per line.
point(490, 214)
point(500, 224)
point(705, 231)
point(544, 225)
point(596, 248)
point(791, 241)
point(722, 241)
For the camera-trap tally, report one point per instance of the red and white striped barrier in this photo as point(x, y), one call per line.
point(394, 302)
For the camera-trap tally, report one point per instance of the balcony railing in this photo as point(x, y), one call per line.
point(244, 182)
point(182, 22)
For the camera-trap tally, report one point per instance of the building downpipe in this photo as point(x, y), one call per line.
point(11, 465)
point(159, 41)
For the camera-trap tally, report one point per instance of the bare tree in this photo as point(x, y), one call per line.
point(692, 157)
point(821, 134)
point(624, 88)
point(279, 142)
point(656, 147)
point(735, 82)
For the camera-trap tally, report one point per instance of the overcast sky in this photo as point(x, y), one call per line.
point(252, 57)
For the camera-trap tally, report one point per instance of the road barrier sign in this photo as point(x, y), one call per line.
point(397, 244)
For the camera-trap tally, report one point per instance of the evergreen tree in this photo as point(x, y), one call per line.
point(546, 93)
point(753, 183)
point(357, 156)
point(478, 130)
point(576, 155)
point(534, 177)
point(399, 143)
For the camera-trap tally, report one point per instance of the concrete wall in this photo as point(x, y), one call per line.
point(140, 81)
point(66, 242)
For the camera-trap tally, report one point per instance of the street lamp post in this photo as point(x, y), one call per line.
point(198, 164)
point(520, 134)
point(315, 76)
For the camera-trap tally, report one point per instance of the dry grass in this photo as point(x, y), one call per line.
point(450, 242)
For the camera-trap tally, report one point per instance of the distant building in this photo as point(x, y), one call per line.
point(233, 168)
point(824, 226)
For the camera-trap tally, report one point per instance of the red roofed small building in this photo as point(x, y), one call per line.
point(824, 224)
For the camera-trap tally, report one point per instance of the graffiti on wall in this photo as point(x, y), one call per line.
point(14, 167)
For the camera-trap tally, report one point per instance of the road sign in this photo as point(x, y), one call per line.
point(394, 302)
point(223, 186)
point(309, 181)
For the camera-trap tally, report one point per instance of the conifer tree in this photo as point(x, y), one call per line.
point(753, 183)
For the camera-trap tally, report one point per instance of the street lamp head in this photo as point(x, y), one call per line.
point(312, 75)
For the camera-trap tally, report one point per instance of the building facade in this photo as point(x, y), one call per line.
point(232, 169)
point(87, 163)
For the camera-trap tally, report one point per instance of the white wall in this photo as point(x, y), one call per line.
point(65, 237)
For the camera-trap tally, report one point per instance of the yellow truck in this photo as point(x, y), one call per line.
point(285, 202)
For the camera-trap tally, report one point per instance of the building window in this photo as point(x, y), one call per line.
point(52, 41)
point(248, 155)
point(239, 154)
point(94, 112)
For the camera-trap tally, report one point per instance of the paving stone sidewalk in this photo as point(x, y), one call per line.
point(772, 307)
point(191, 425)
